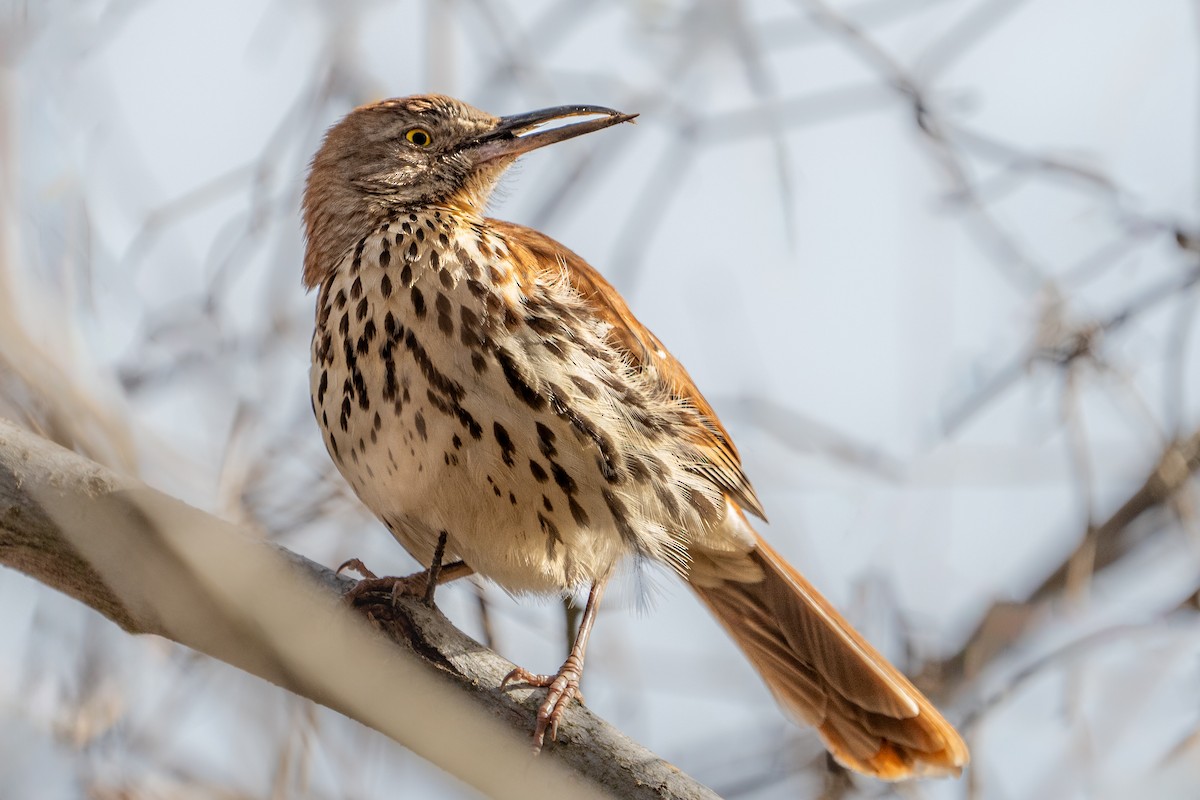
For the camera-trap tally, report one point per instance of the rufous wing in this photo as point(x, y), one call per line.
point(541, 256)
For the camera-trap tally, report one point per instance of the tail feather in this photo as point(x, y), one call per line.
point(870, 716)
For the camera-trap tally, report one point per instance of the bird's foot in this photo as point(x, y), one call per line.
point(368, 591)
point(561, 687)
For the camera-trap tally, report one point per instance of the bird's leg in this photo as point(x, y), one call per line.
point(435, 568)
point(419, 584)
point(564, 685)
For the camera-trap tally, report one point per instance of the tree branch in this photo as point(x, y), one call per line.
point(154, 565)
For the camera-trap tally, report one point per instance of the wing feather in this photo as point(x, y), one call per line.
point(546, 258)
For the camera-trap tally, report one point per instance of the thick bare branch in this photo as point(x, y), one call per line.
point(154, 565)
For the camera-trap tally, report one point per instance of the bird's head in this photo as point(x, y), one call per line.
point(411, 152)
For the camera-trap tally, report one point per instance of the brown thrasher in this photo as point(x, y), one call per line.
point(493, 400)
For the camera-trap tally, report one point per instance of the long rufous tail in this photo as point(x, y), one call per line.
point(870, 716)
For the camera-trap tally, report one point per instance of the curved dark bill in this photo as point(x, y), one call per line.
point(518, 133)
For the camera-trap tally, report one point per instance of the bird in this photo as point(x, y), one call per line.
point(491, 398)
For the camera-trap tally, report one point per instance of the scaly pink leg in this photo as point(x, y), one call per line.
point(563, 686)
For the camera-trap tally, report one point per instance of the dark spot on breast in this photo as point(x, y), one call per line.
point(434, 259)
point(419, 422)
point(325, 348)
point(443, 308)
point(478, 362)
point(552, 534)
point(587, 429)
point(385, 286)
point(585, 387)
point(577, 512)
point(453, 409)
point(393, 329)
point(539, 472)
point(412, 251)
point(472, 335)
point(344, 324)
point(340, 299)
point(512, 498)
point(507, 448)
point(562, 478)
point(546, 504)
point(377, 423)
point(542, 325)
point(656, 464)
point(356, 288)
point(637, 469)
point(364, 401)
point(517, 382)
point(345, 416)
point(390, 386)
point(385, 256)
point(420, 234)
point(322, 386)
point(476, 288)
point(363, 308)
point(437, 380)
point(446, 278)
point(456, 441)
point(406, 276)
point(418, 302)
point(546, 440)
point(653, 427)
point(620, 515)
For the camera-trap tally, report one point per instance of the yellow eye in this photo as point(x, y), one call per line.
point(420, 137)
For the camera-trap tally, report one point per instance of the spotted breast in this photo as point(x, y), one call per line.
point(462, 387)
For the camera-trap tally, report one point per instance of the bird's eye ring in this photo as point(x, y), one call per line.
point(420, 137)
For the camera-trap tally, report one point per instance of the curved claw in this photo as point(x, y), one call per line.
point(358, 566)
point(561, 689)
point(408, 586)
